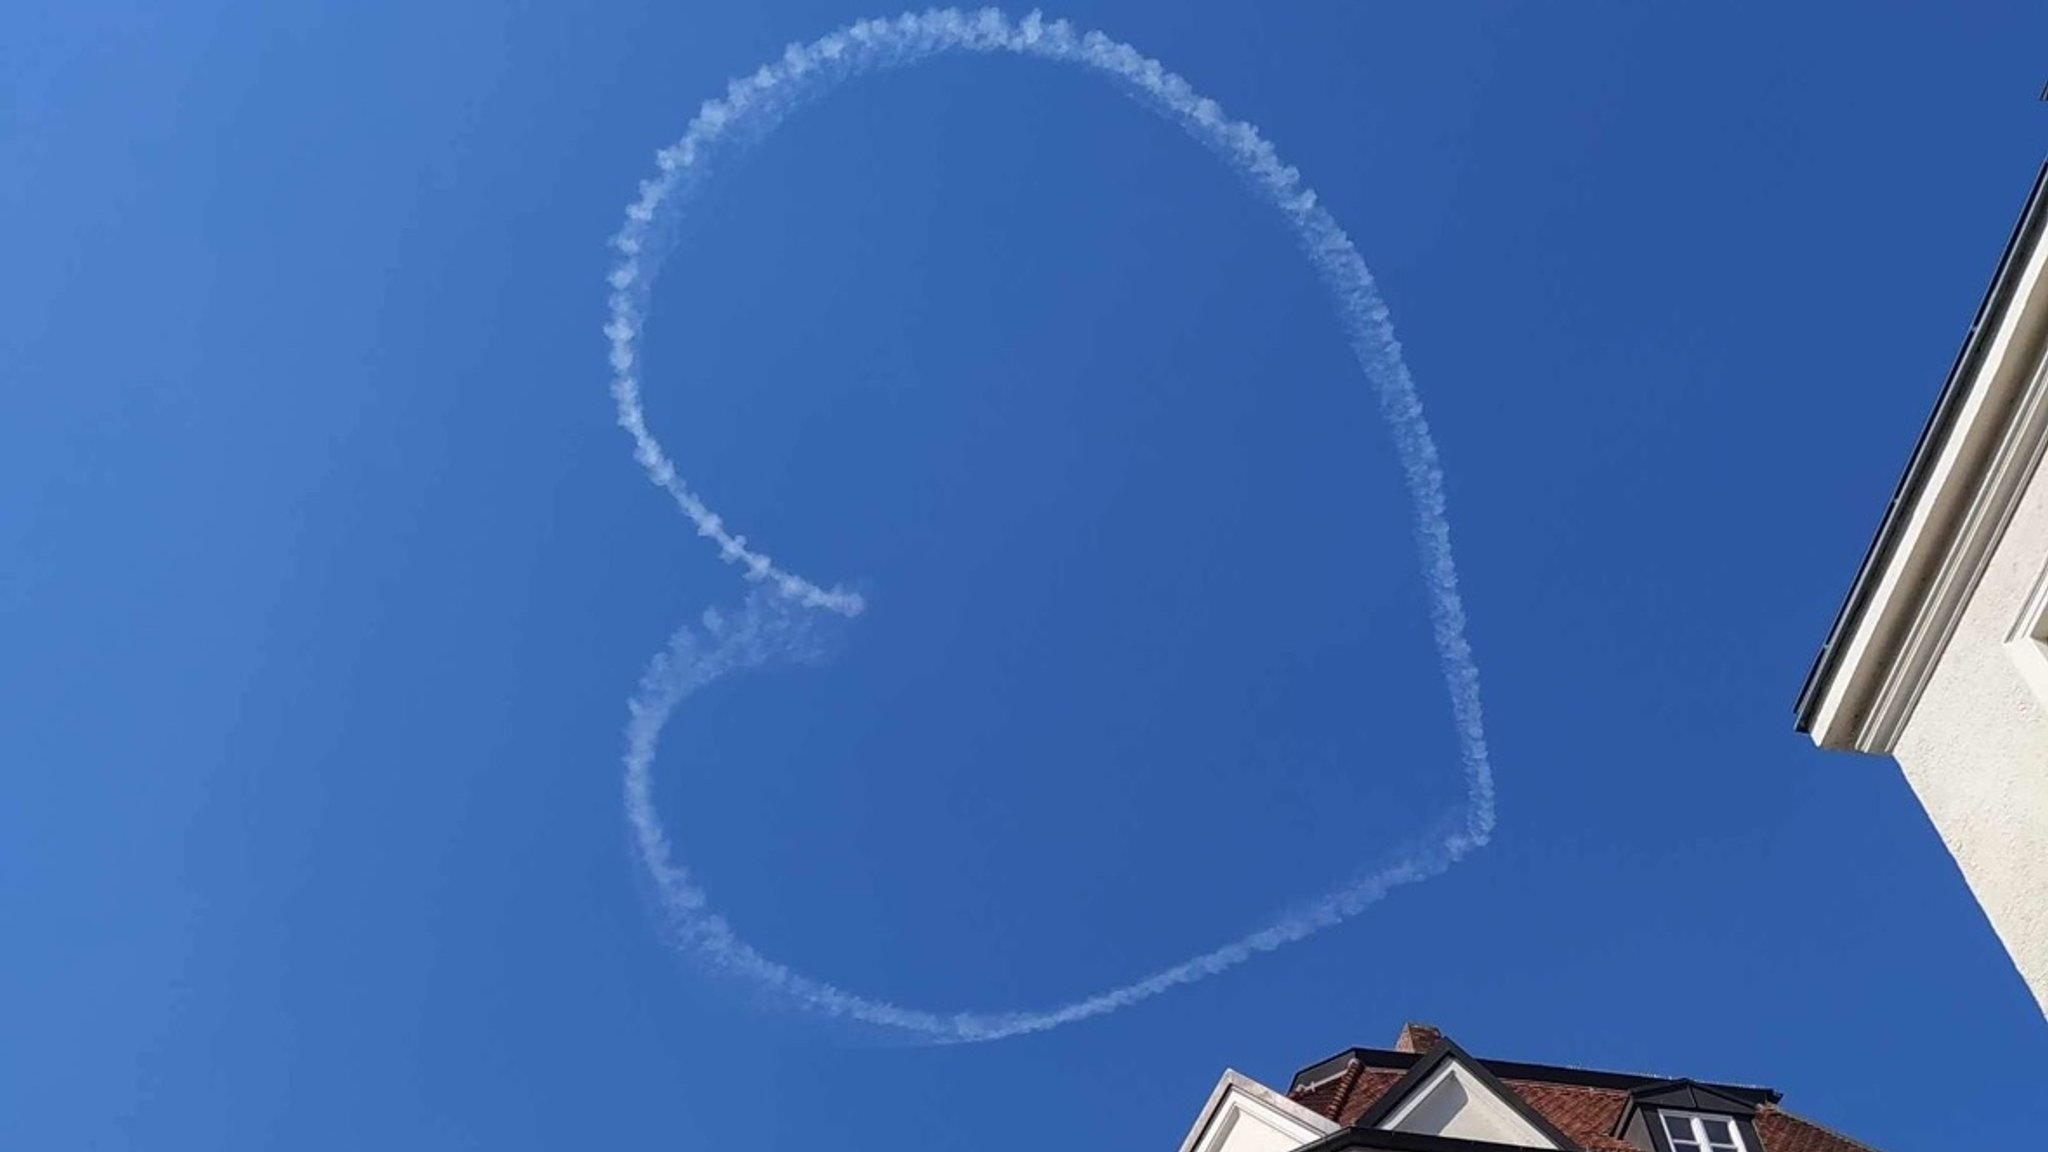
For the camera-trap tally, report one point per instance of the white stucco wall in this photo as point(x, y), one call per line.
point(1975, 748)
point(1253, 1132)
point(1455, 1103)
point(1243, 1115)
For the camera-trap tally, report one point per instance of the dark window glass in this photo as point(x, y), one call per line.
point(1700, 1133)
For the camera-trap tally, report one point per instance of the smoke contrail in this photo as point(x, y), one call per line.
point(773, 623)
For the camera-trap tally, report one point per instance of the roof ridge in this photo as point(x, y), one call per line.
point(1348, 1085)
point(1564, 1085)
point(1520, 1066)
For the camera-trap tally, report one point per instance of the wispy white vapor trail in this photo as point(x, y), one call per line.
point(771, 626)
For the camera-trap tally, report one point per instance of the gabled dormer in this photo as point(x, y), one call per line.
point(1687, 1116)
point(1448, 1093)
point(1243, 1115)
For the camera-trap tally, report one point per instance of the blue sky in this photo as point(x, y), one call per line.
point(326, 575)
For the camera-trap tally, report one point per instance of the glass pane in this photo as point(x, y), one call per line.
point(1718, 1131)
point(1685, 1146)
point(1678, 1127)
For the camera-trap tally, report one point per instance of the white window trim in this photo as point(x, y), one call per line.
point(1699, 1131)
point(2027, 643)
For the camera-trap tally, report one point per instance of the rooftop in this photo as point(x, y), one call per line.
point(1579, 1108)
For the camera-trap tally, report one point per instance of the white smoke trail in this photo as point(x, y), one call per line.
point(771, 626)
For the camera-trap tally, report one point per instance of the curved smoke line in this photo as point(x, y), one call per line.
point(773, 623)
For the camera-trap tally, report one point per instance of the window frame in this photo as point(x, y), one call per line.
point(2026, 644)
point(1741, 1143)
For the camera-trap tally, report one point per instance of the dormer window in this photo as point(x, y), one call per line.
point(1692, 1132)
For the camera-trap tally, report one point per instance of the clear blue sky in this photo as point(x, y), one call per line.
point(324, 573)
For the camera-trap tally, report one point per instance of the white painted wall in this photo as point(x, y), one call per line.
point(1926, 672)
point(1975, 747)
point(1455, 1103)
point(1243, 1115)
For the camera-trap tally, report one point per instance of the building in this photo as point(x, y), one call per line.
point(1939, 656)
point(1426, 1094)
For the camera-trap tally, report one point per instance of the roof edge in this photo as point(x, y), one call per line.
point(1236, 1084)
point(1388, 1140)
point(1386, 1058)
point(1926, 450)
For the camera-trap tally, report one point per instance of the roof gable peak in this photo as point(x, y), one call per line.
point(1689, 1094)
point(1448, 1093)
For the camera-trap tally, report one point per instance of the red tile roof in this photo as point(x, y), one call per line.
point(1783, 1132)
point(1587, 1113)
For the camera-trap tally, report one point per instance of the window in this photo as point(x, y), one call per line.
point(1691, 1133)
point(2027, 643)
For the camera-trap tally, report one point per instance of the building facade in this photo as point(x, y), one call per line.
point(1939, 656)
point(1426, 1094)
